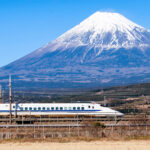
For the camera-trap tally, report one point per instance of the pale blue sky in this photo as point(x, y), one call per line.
point(26, 25)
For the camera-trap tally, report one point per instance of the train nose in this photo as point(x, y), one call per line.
point(118, 113)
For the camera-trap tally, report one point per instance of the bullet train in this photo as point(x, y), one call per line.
point(93, 109)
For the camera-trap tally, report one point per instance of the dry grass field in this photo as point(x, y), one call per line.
point(94, 145)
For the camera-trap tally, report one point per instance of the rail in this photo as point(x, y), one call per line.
point(68, 125)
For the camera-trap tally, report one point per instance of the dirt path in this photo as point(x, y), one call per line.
point(102, 145)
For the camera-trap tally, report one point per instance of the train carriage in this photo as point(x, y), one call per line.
point(58, 109)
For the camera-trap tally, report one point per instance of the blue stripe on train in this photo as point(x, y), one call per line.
point(49, 110)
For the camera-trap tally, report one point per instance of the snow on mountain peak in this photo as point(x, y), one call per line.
point(103, 30)
point(105, 22)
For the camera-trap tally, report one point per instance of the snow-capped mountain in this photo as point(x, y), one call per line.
point(106, 48)
point(105, 31)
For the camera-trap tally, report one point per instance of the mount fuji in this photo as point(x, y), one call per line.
point(105, 49)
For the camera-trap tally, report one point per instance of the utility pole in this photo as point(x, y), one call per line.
point(1, 94)
point(104, 100)
point(10, 100)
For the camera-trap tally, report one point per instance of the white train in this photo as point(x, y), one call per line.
point(58, 109)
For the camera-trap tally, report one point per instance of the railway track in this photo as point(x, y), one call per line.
point(48, 119)
point(67, 125)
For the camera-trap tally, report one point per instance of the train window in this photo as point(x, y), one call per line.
point(61, 108)
point(56, 108)
point(21, 108)
point(89, 106)
point(52, 108)
point(26, 108)
point(74, 108)
point(30, 108)
point(43, 108)
point(78, 108)
point(65, 108)
point(14, 107)
point(93, 107)
point(34, 108)
point(39, 108)
point(69, 108)
point(82, 108)
point(48, 108)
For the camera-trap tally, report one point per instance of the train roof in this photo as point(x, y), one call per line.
point(53, 103)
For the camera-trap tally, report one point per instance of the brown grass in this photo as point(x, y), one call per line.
point(73, 139)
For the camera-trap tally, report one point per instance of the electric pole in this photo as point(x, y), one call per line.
point(10, 100)
point(1, 94)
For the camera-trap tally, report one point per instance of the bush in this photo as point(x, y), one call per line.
point(98, 124)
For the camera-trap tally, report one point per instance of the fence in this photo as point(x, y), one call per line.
point(45, 131)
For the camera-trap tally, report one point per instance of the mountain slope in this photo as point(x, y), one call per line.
point(105, 49)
